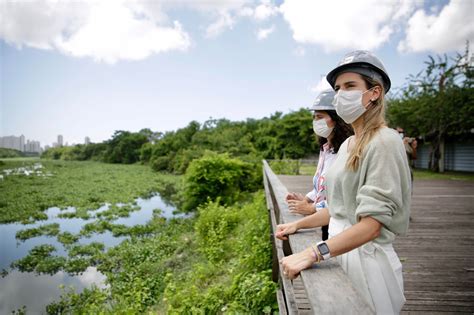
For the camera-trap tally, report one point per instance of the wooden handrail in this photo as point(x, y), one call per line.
point(327, 287)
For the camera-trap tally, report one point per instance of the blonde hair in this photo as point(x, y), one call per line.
point(373, 120)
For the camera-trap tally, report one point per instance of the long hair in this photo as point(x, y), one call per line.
point(373, 120)
point(342, 131)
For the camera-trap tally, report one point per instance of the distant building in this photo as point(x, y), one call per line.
point(18, 143)
point(33, 146)
point(12, 142)
point(22, 143)
point(60, 140)
point(87, 140)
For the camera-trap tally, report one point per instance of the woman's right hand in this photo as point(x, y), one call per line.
point(283, 230)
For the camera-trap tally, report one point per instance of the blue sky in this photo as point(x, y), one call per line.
point(94, 67)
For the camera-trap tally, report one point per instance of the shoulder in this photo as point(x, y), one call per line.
point(387, 138)
point(386, 142)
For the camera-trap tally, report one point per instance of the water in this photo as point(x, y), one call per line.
point(36, 291)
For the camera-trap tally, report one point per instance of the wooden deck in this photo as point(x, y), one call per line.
point(438, 252)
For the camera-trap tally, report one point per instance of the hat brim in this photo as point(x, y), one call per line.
point(362, 68)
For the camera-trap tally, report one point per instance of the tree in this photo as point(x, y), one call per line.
point(437, 102)
point(124, 147)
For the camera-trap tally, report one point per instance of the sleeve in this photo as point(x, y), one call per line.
point(311, 195)
point(384, 179)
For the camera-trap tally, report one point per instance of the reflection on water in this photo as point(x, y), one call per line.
point(36, 291)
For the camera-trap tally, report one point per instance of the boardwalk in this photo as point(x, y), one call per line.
point(438, 252)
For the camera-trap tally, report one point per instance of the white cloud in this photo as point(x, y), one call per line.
point(265, 10)
point(340, 25)
point(225, 21)
point(264, 32)
point(207, 5)
point(106, 31)
point(321, 86)
point(228, 12)
point(441, 32)
point(245, 12)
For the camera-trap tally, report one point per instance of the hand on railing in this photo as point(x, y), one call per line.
point(283, 230)
point(294, 196)
point(293, 264)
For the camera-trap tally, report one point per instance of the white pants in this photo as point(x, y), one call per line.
point(375, 271)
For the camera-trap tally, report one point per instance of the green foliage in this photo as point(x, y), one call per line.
point(135, 272)
point(287, 167)
point(9, 153)
point(83, 185)
point(234, 276)
point(67, 238)
point(218, 176)
point(172, 271)
point(437, 103)
point(280, 136)
point(40, 260)
point(90, 301)
point(47, 230)
point(213, 227)
point(211, 263)
point(91, 249)
point(79, 152)
point(124, 147)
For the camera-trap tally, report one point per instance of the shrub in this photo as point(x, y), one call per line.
point(217, 176)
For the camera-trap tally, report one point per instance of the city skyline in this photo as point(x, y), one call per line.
point(23, 144)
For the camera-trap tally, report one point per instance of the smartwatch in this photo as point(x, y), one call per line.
point(323, 250)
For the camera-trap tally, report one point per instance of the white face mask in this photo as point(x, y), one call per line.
point(321, 128)
point(349, 105)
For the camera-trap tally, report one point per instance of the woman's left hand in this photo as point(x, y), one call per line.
point(293, 264)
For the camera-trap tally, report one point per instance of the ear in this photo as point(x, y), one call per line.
point(376, 92)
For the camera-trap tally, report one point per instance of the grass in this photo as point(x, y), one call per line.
point(307, 169)
point(310, 169)
point(425, 174)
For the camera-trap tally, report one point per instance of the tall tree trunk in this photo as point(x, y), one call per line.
point(435, 154)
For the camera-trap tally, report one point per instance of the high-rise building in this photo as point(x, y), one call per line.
point(60, 140)
point(22, 143)
point(87, 140)
point(18, 143)
point(32, 146)
point(12, 142)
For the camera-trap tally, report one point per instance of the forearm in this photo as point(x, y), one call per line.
point(317, 219)
point(365, 231)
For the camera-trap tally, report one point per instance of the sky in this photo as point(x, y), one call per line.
point(89, 68)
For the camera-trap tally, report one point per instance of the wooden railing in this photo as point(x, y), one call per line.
point(327, 288)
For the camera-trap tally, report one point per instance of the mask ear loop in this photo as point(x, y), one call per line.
point(371, 101)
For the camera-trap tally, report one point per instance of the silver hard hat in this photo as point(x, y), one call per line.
point(362, 62)
point(324, 100)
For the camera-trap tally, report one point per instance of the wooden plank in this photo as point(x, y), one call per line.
point(281, 302)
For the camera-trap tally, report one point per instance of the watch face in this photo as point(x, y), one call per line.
point(323, 249)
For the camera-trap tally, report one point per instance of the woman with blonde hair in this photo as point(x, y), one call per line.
point(368, 189)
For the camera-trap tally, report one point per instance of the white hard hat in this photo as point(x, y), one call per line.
point(324, 100)
point(362, 62)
